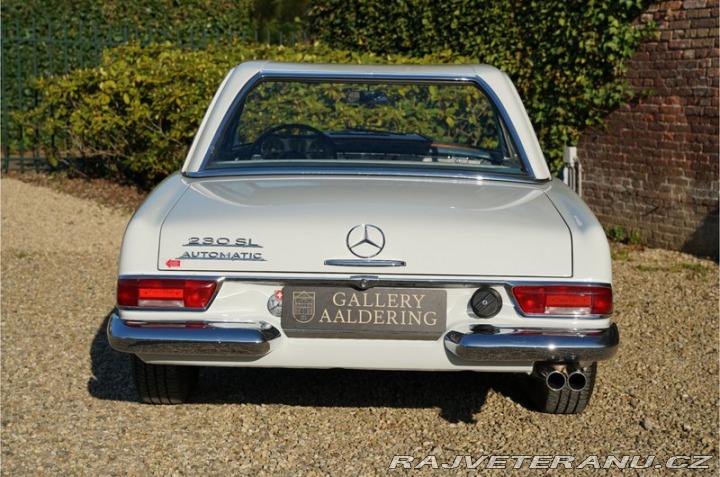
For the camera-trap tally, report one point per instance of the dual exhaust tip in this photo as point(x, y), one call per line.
point(560, 376)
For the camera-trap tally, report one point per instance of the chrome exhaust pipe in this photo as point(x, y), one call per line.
point(557, 376)
point(553, 376)
point(555, 380)
point(576, 379)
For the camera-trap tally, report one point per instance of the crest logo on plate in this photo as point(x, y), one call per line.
point(365, 240)
point(303, 309)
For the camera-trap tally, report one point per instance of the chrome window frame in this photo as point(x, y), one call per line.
point(530, 177)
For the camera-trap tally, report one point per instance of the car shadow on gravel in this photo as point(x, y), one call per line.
point(458, 395)
point(111, 377)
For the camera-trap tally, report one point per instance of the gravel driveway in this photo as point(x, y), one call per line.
point(68, 406)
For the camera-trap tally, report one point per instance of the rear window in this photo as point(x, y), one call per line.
point(365, 124)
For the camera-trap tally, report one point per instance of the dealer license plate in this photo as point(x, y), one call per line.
point(382, 313)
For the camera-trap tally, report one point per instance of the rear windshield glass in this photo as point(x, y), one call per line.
point(426, 125)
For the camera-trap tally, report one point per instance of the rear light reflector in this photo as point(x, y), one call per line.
point(165, 293)
point(564, 300)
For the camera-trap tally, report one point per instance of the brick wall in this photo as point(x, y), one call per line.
point(654, 166)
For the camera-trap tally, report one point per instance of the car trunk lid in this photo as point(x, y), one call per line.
point(308, 225)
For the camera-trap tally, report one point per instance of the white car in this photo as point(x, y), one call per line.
point(366, 217)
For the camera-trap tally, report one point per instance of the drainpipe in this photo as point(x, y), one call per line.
point(572, 172)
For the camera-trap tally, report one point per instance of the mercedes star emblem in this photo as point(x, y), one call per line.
point(365, 241)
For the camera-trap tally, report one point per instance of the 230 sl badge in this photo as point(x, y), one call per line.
point(221, 242)
point(239, 242)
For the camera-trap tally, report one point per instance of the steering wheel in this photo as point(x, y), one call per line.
point(293, 141)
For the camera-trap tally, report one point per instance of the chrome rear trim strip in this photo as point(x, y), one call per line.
point(365, 263)
point(343, 278)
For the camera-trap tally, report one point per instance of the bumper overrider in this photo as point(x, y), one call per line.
point(254, 340)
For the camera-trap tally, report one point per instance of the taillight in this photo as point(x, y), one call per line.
point(165, 293)
point(564, 300)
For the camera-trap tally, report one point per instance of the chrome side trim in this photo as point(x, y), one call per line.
point(487, 343)
point(364, 263)
point(253, 341)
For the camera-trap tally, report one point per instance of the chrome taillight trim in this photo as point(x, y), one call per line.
point(364, 282)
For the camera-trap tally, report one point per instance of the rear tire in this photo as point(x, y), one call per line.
point(163, 383)
point(565, 400)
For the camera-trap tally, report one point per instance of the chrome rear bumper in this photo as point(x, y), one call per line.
point(487, 343)
point(253, 341)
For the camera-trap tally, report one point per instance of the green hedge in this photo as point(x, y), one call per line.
point(170, 15)
point(43, 37)
point(566, 57)
point(135, 114)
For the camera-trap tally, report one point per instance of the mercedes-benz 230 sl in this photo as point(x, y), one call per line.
point(366, 217)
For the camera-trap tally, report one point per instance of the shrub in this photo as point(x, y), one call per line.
point(618, 234)
point(566, 57)
point(43, 37)
point(132, 114)
point(135, 114)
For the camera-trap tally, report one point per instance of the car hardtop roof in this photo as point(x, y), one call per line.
point(493, 81)
point(408, 71)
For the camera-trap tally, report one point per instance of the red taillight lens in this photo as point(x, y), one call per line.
point(165, 293)
point(564, 300)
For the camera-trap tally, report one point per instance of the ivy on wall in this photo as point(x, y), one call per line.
point(137, 112)
point(565, 57)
